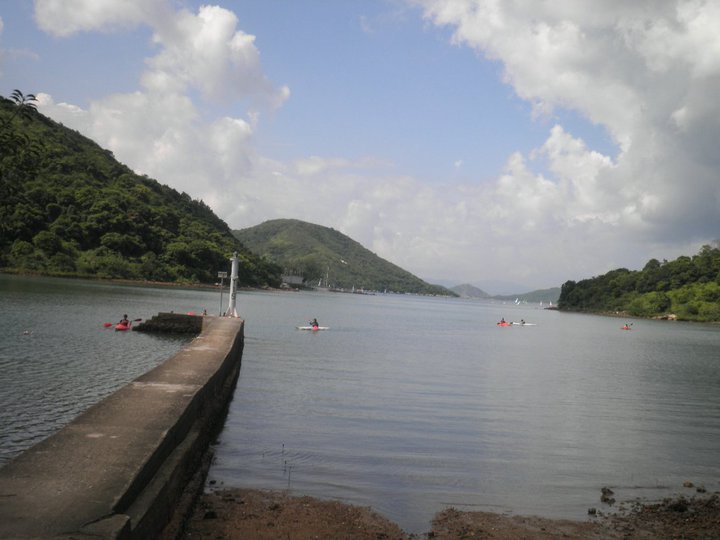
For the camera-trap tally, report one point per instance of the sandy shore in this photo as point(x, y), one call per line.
point(253, 514)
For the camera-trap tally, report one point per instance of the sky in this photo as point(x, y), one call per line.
point(513, 145)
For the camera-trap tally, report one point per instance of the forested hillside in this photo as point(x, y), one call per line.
point(688, 288)
point(67, 207)
point(325, 256)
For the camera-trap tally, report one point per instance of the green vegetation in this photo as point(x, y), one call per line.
point(323, 255)
point(687, 288)
point(68, 208)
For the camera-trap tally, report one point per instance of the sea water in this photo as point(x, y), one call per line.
point(411, 405)
point(407, 404)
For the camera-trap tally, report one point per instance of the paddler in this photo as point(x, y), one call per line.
point(315, 323)
point(124, 321)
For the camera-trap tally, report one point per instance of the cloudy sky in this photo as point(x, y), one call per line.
point(478, 141)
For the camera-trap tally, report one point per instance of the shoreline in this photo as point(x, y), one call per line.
point(259, 514)
point(137, 282)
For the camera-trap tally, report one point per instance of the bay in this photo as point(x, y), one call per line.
point(407, 404)
point(411, 405)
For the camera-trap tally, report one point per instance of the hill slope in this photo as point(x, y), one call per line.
point(469, 291)
point(321, 254)
point(687, 288)
point(67, 207)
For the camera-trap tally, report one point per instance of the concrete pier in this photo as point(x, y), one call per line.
point(119, 469)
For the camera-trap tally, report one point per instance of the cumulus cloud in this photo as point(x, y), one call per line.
point(157, 129)
point(647, 73)
point(66, 17)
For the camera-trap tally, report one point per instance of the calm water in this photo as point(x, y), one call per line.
point(67, 360)
point(410, 405)
point(406, 404)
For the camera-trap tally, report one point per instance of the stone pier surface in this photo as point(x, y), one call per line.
point(120, 469)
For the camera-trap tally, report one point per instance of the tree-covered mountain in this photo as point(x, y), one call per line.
point(325, 256)
point(687, 288)
point(67, 207)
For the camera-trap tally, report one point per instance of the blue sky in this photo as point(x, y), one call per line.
point(463, 140)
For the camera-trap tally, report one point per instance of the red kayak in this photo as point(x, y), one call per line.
point(504, 324)
point(122, 327)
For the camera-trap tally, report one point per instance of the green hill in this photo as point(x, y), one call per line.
point(68, 208)
point(687, 288)
point(469, 291)
point(325, 256)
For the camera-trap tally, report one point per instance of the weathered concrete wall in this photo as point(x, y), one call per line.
point(175, 323)
point(120, 468)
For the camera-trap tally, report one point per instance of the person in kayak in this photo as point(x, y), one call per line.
point(315, 323)
point(124, 321)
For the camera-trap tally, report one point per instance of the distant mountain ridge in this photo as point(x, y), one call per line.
point(469, 291)
point(324, 256)
point(542, 295)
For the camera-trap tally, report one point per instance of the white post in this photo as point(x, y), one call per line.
point(222, 276)
point(231, 311)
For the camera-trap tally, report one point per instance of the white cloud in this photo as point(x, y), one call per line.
point(158, 129)
point(648, 73)
point(66, 17)
point(205, 51)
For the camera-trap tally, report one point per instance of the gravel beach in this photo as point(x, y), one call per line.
point(254, 514)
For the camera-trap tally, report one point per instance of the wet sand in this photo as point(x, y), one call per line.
point(254, 514)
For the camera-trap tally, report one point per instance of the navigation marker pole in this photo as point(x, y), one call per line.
point(231, 311)
point(222, 276)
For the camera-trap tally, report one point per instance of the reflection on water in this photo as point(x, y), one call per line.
point(410, 405)
point(406, 404)
point(57, 358)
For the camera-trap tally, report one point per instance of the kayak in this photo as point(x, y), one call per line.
point(625, 328)
point(524, 324)
point(122, 327)
point(313, 328)
point(504, 324)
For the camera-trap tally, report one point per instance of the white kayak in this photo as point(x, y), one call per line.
point(313, 328)
point(524, 324)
